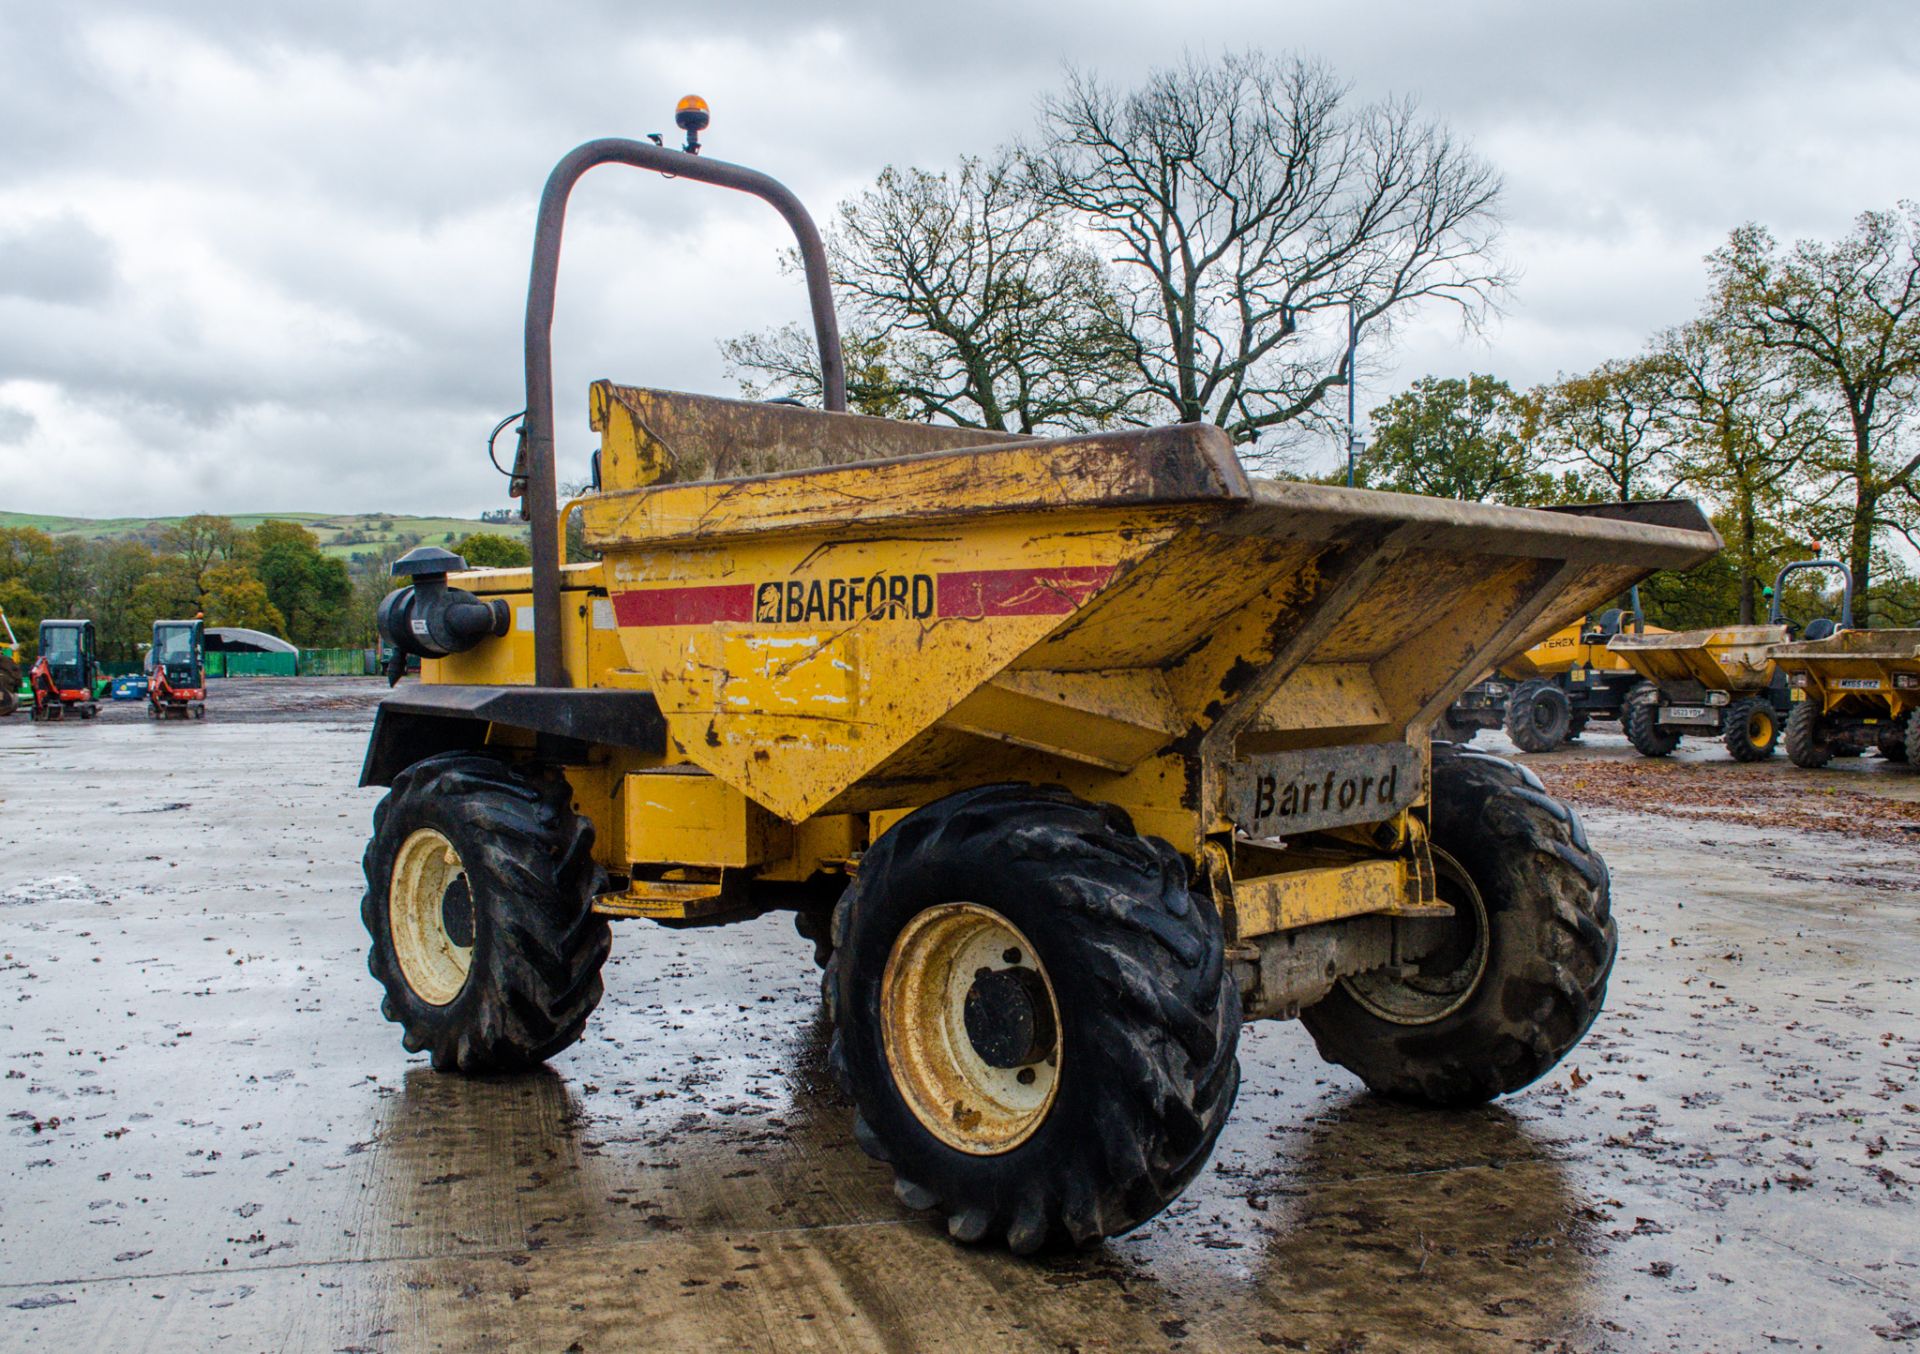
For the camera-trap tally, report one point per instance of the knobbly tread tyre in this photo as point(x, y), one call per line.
point(1551, 946)
point(538, 945)
point(1150, 1015)
point(1911, 744)
point(1524, 725)
point(1805, 747)
point(1737, 736)
point(1640, 717)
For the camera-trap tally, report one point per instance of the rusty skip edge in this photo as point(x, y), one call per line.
point(1179, 464)
point(1659, 534)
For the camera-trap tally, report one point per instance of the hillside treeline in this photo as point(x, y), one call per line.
point(273, 577)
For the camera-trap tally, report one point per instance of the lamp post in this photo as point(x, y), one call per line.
point(1353, 438)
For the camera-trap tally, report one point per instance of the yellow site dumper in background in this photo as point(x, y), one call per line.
point(1546, 694)
point(1070, 754)
point(1720, 682)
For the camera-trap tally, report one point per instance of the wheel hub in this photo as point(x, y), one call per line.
point(1009, 1017)
point(970, 1023)
point(1449, 972)
point(430, 916)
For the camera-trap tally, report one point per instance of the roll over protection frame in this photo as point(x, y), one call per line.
point(1846, 589)
point(534, 469)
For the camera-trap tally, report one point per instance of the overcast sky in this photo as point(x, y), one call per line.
point(260, 257)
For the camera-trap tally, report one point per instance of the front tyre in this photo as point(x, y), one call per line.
point(1806, 741)
point(480, 889)
point(1641, 719)
point(1034, 1018)
point(1539, 716)
point(1752, 730)
point(1522, 972)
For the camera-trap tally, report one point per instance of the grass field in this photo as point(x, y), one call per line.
point(342, 534)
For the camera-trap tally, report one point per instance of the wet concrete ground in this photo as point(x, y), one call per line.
point(210, 1139)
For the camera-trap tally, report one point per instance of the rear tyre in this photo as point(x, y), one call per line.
point(9, 686)
point(1806, 742)
point(1912, 747)
point(480, 889)
point(1523, 971)
point(1892, 739)
point(1539, 717)
point(1034, 1018)
point(1752, 730)
point(1640, 717)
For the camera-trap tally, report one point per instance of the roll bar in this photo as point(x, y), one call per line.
point(1846, 589)
point(533, 473)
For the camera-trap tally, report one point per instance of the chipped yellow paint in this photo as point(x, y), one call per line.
point(682, 817)
point(1283, 902)
point(1836, 670)
point(1730, 658)
point(792, 712)
point(1126, 615)
point(589, 636)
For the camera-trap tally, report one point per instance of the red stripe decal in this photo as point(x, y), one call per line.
point(685, 606)
point(1020, 592)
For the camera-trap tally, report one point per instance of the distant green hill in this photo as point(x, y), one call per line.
point(342, 534)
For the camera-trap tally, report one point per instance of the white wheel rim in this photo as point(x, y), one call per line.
point(955, 1093)
point(432, 961)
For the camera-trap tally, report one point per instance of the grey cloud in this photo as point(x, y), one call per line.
point(62, 260)
point(304, 276)
point(15, 424)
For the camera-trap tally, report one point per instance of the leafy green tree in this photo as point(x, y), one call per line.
point(1449, 438)
point(309, 589)
point(1747, 425)
point(1613, 427)
point(201, 541)
point(234, 595)
point(1846, 316)
point(491, 550)
point(25, 609)
point(117, 571)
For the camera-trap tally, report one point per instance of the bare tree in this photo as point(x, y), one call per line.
point(1847, 317)
point(1613, 426)
point(1247, 203)
point(966, 300)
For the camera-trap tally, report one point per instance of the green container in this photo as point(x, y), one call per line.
point(252, 664)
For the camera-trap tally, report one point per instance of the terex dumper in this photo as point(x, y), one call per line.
point(1073, 753)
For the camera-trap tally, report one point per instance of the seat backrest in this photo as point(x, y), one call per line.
point(1822, 628)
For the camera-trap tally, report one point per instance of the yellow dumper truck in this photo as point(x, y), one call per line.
point(1718, 682)
point(1851, 690)
point(1077, 752)
point(1548, 692)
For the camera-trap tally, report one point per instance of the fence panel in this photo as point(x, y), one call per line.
point(333, 662)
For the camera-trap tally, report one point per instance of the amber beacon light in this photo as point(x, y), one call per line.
point(691, 116)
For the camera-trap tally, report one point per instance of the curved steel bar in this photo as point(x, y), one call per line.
point(536, 459)
point(1846, 589)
